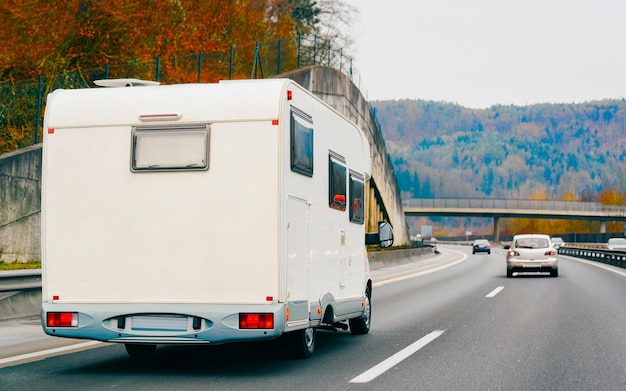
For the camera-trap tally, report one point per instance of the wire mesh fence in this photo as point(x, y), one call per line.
point(22, 102)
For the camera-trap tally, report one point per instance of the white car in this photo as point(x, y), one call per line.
point(531, 253)
point(616, 244)
point(557, 242)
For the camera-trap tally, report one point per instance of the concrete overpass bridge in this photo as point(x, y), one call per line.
point(506, 208)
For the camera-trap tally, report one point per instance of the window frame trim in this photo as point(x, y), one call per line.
point(206, 128)
point(295, 115)
point(334, 157)
point(354, 177)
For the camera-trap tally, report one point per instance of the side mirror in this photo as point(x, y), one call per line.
point(384, 236)
point(507, 247)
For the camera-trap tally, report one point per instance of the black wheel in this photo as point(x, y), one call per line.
point(509, 273)
point(140, 351)
point(554, 273)
point(362, 324)
point(301, 343)
point(489, 252)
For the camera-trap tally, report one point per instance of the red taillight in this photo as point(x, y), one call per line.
point(256, 321)
point(62, 319)
point(550, 252)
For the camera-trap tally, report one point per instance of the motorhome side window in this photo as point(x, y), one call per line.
point(301, 142)
point(337, 182)
point(356, 188)
point(170, 148)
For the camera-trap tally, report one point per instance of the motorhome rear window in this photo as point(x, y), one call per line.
point(301, 142)
point(337, 182)
point(356, 188)
point(170, 148)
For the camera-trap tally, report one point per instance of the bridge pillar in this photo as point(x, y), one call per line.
point(496, 229)
point(372, 210)
point(602, 227)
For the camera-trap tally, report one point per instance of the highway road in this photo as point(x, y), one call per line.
point(462, 327)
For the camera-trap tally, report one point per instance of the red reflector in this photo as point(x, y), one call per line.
point(274, 122)
point(50, 131)
point(289, 95)
point(55, 297)
point(269, 298)
point(256, 321)
point(62, 319)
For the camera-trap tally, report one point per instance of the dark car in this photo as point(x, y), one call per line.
point(481, 246)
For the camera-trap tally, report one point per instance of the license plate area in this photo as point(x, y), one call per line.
point(159, 323)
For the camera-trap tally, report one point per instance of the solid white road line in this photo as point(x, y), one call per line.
point(389, 363)
point(48, 352)
point(612, 269)
point(380, 281)
point(495, 291)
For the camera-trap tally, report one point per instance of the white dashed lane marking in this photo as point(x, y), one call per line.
point(494, 292)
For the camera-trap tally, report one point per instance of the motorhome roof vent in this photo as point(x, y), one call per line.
point(124, 83)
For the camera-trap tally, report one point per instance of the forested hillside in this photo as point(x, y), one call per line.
point(562, 151)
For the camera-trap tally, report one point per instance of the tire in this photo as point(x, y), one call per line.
point(362, 324)
point(140, 351)
point(301, 343)
point(509, 273)
point(554, 273)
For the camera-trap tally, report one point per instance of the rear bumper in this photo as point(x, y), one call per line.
point(164, 323)
point(543, 266)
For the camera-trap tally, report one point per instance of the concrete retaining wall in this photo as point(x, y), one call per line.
point(16, 305)
point(380, 259)
point(20, 205)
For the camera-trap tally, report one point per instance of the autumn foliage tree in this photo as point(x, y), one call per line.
point(49, 37)
point(70, 39)
point(551, 226)
point(613, 196)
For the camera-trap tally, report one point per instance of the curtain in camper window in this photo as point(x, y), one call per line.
point(337, 182)
point(356, 188)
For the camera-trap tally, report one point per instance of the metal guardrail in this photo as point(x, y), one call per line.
point(610, 257)
point(20, 280)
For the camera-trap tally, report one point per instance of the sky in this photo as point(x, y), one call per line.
point(478, 53)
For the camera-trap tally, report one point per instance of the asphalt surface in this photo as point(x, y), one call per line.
point(452, 322)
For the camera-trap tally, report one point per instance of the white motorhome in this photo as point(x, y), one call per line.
point(203, 213)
